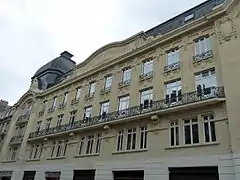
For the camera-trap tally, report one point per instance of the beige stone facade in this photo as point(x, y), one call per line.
point(148, 103)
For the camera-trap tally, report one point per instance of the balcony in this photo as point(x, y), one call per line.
point(74, 101)
point(185, 101)
point(62, 105)
point(105, 90)
point(203, 56)
point(124, 83)
point(143, 77)
point(16, 140)
point(89, 96)
point(172, 67)
point(23, 119)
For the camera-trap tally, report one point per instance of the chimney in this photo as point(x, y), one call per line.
point(66, 54)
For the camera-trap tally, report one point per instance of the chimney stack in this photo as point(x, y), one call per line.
point(66, 54)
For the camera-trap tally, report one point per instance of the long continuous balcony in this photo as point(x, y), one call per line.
point(16, 140)
point(175, 103)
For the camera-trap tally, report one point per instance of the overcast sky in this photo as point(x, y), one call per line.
point(33, 32)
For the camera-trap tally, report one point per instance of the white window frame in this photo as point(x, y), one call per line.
point(126, 75)
point(81, 146)
point(172, 56)
point(208, 120)
point(146, 94)
point(207, 78)
point(202, 45)
point(59, 119)
point(143, 137)
point(78, 94)
point(72, 117)
point(147, 66)
point(123, 102)
point(92, 88)
point(59, 149)
point(191, 123)
point(120, 140)
point(98, 143)
point(54, 103)
point(175, 126)
point(133, 139)
point(108, 82)
point(87, 112)
point(169, 87)
point(90, 142)
point(48, 123)
point(104, 107)
point(65, 98)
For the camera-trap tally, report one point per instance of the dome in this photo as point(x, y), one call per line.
point(48, 74)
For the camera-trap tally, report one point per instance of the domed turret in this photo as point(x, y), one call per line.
point(48, 74)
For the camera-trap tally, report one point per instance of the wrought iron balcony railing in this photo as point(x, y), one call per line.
point(124, 83)
point(154, 106)
point(203, 56)
point(171, 67)
point(146, 76)
point(16, 140)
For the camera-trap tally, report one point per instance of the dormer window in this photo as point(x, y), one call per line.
point(189, 17)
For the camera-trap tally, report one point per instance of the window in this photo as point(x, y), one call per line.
point(147, 67)
point(204, 81)
point(36, 152)
point(174, 133)
point(189, 17)
point(38, 126)
point(78, 92)
point(13, 154)
point(173, 91)
point(54, 103)
point(59, 149)
point(126, 75)
point(120, 140)
point(123, 103)
point(48, 123)
point(172, 56)
point(191, 134)
point(131, 139)
point(89, 144)
point(44, 105)
point(146, 98)
point(59, 120)
point(72, 117)
point(65, 98)
point(98, 144)
point(143, 137)
point(92, 88)
point(209, 128)
point(88, 112)
point(81, 145)
point(53, 149)
point(108, 82)
point(202, 45)
point(104, 109)
point(65, 148)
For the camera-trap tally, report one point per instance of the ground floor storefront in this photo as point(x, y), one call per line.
point(219, 167)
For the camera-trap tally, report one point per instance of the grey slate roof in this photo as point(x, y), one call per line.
point(178, 21)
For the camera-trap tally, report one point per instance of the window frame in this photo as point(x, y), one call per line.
point(126, 74)
point(92, 87)
point(202, 45)
point(190, 124)
point(132, 133)
point(172, 56)
point(209, 121)
point(121, 101)
point(143, 133)
point(147, 66)
point(176, 134)
point(120, 140)
point(107, 82)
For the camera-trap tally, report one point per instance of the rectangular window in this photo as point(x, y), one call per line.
point(104, 109)
point(53, 149)
point(14, 153)
point(65, 148)
point(59, 149)
point(147, 67)
point(191, 134)
point(205, 80)
point(209, 128)
point(44, 105)
point(108, 82)
point(146, 98)
point(38, 126)
point(202, 45)
point(143, 137)
point(65, 97)
point(131, 139)
point(72, 117)
point(78, 92)
point(81, 145)
point(174, 133)
point(98, 143)
point(126, 75)
point(92, 88)
point(88, 112)
point(123, 103)
point(48, 123)
point(54, 103)
point(172, 56)
point(120, 137)
point(35, 156)
point(31, 152)
point(59, 120)
point(90, 142)
point(173, 91)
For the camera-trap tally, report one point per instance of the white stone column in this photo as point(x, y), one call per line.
point(156, 171)
point(103, 173)
point(67, 173)
point(40, 175)
point(17, 175)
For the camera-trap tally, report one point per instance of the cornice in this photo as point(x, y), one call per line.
point(210, 18)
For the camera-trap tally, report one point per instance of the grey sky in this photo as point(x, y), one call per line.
point(35, 31)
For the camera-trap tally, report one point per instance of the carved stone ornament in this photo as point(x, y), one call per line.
point(226, 29)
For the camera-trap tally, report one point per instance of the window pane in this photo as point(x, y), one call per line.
point(213, 133)
point(134, 141)
point(172, 137)
point(206, 130)
point(129, 142)
point(177, 136)
point(187, 135)
point(195, 133)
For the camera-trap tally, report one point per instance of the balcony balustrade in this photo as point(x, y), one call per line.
point(172, 67)
point(16, 140)
point(185, 100)
point(203, 56)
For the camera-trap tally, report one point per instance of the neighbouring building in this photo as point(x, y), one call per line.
point(160, 105)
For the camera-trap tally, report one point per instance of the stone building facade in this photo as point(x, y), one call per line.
point(162, 104)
